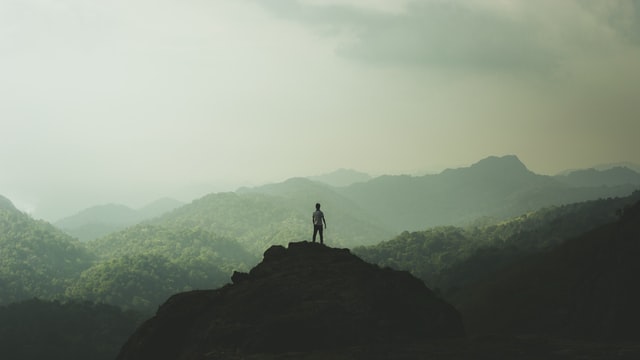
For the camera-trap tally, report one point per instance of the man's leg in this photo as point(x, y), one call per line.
point(315, 231)
point(321, 238)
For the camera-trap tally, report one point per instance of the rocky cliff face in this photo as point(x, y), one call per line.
point(306, 297)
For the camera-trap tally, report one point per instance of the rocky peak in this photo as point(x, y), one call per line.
point(301, 298)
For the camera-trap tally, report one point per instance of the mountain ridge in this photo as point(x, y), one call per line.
point(509, 164)
point(496, 186)
point(97, 221)
point(453, 258)
point(594, 177)
point(278, 214)
point(341, 177)
point(499, 187)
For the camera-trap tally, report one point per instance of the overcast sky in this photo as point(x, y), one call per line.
point(130, 100)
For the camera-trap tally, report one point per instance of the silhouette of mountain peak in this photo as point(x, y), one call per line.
point(302, 298)
point(507, 163)
point(503, 169)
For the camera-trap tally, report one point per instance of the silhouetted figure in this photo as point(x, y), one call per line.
point(318, 220)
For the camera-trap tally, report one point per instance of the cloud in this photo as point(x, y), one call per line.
point(621, 17)
point(488, 35)
point(447, 35)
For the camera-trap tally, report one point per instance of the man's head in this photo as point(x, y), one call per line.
point(317, 206)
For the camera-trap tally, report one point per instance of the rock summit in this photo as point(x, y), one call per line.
point(306, 297)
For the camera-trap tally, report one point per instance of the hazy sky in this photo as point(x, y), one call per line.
point(130, 100)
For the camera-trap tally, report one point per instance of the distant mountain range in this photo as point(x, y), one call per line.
point(633, 166)
point(363, 210)
point(615, 176)
point(100, 220)
point(497, 187)
point(342, 177)
point(277, 214)
point(365, 213)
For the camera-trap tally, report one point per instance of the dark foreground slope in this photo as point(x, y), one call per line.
point(303, 298)
point(586, 287)
point(37, 329)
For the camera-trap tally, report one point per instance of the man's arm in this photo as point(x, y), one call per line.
point(324, 221)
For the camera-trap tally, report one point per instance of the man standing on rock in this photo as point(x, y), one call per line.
point(318, 220)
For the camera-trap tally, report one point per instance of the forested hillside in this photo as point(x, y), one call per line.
point(450, 258)
point(136, 269)
point(196, 246)
point(278, 214)
point(193, 246)
point(143, 281)
point(586, 287)
point(100, 220)
point(141, 266)
point(36, 259)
